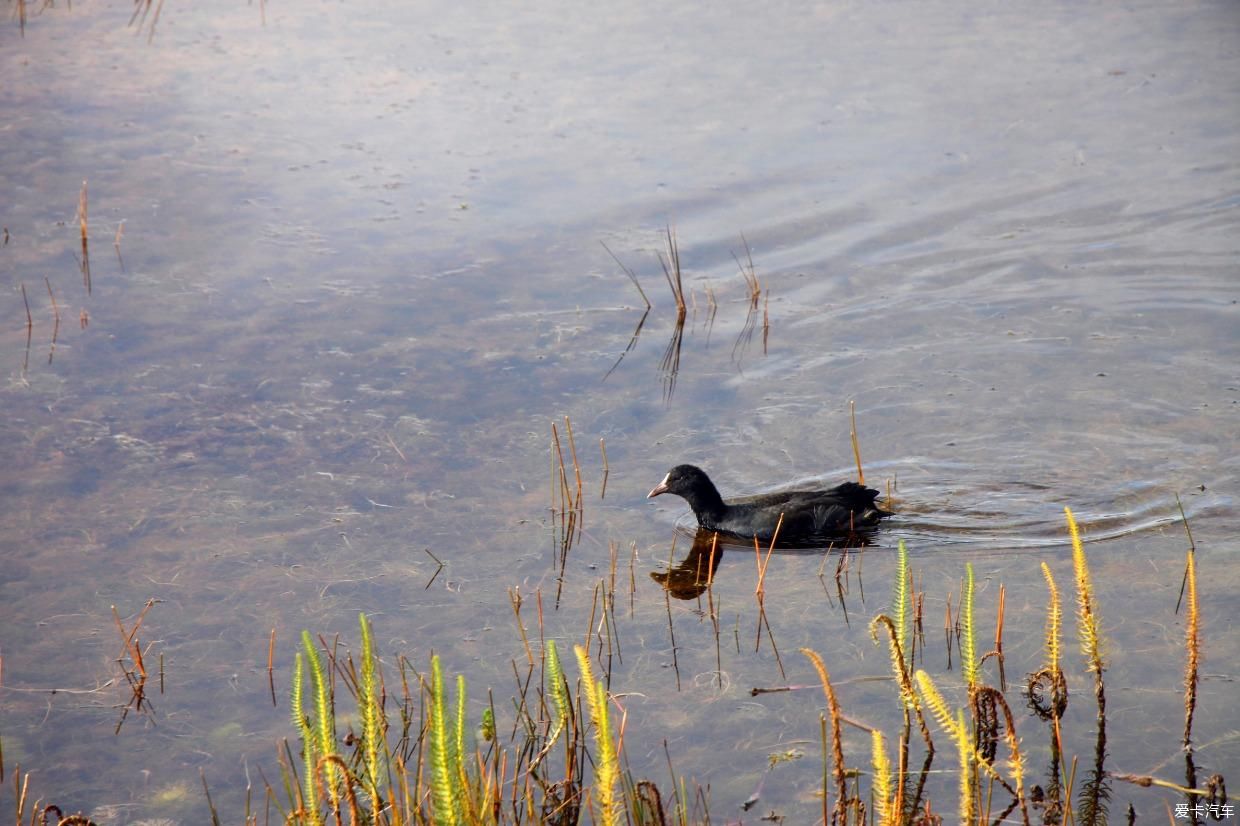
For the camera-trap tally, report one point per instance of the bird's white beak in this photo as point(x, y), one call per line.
point(659, 488)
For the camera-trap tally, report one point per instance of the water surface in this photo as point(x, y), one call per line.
point(360, 277)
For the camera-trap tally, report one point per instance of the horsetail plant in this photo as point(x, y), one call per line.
point(370, 709)
point(606, 770)
point(900, 601)
point(309, 799)
point(557, 688)
point(445, 774)
point(953, 726)
point(886, 810)
point(1093, 806)
point(968, 653)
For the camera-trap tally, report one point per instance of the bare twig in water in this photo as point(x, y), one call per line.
point(29, 329)
point(640, 322)
point(766, 320)
point(135, 672)
point(750, 274)
point(637, 331)
point(856, 445)
point(672, 271)
point(438, 562)
point(632, 275)
point(271, 673)
point(116, 244)
point(712, 308)
point(55, 319)
point(669, 365)
point(606, 470)
point(84, 226)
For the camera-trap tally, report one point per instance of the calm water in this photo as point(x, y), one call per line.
point(360, 276)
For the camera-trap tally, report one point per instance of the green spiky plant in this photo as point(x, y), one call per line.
point(900, 602)
point(897, 625)
point(444, 756)
point(370, 708)
point(318, 734)
point(968, 648)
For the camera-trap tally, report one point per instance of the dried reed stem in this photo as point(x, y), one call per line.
point(672, 271)
point(84, 226)
point(606, 469)
point(856, 444)
point(632, 275)
point(749, 273)
point(29, 318)
point(271, 658)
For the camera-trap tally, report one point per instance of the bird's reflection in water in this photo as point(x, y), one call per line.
point(695, 573)
point(690, 577)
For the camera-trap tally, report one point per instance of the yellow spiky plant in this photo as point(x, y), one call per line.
point(885, 809)
point(606, 767)
point(1087, 614)
point(557, 688)
point(953, 726)
point(1054, 619)
point(1094, 795)
point(1192, 643)
point(370, 709)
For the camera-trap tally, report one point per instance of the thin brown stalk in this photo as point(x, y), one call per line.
point(632, 275)
point(671, 629)
point(215, 817)
point(29, 318)
point(271, 657)
point(763, 562)
point(833, 708)
point(1191, 547)
point(514, 597)
point(84, 226)
point(999, 637)
point(749, 273)
point(766, 320)
point(856, 445)
point(116, 244)
point(672, 271)
point(947, 630)
point(572, 446)
point(606, 469)
point(55, 319)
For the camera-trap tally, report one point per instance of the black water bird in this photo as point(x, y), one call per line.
point(808, 515)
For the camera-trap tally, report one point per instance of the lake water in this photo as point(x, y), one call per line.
point(358, 277)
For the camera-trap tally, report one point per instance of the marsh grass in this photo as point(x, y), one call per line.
point(133, 661)
point(684, 298)
point(418, 750)
point(419, 757)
